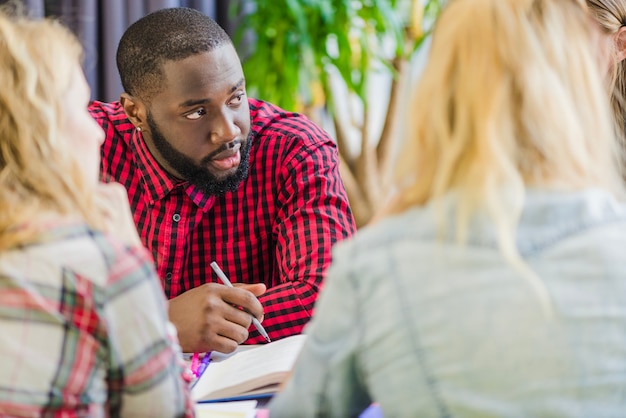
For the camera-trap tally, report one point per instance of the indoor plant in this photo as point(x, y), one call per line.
point(307, 55)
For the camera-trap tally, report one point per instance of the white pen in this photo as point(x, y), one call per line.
point(227, 282)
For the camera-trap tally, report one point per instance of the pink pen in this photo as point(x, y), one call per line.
point(195, 362)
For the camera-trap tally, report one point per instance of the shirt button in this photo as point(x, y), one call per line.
point(176, 217)
point(168, 277)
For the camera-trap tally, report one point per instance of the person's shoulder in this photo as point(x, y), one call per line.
point(270, 120)
point(73, 247)
point(122, 262)
point(112, 112)
point(261, 110)
point(592, 218)
point(365, 258)
point(105, 109)
point(117, 249)
point(90, 245)
point(388, 234)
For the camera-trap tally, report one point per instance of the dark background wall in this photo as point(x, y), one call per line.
point(99, 24)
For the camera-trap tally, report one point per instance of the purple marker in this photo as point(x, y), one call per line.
point(204, 363)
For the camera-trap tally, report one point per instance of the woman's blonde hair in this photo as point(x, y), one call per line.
point(39, 172)
point(611, 16)
point(512, 96)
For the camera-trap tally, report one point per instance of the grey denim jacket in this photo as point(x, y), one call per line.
point(428, 328)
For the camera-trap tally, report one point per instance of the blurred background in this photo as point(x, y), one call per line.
point(347, 64)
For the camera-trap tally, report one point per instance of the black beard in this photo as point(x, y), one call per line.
point(197, 174)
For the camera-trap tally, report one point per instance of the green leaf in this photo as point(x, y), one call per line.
point(294, 42)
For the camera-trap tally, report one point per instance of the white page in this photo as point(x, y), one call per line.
point(238, 409)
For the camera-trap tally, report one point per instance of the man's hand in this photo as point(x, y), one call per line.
point(215, 317)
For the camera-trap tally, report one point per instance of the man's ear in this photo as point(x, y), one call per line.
point(620, 44)
point(135, 110)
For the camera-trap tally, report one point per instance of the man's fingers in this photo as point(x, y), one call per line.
point(257, 289)
point(244, 299)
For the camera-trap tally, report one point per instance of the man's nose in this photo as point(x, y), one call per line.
point(225, 130)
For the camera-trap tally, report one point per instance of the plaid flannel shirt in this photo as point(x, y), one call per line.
point(84, 331)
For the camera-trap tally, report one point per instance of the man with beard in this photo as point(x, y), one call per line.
point(213, 175)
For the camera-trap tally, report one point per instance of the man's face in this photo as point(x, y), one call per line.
point(199, 122)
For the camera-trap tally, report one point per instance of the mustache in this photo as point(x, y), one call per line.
point(221, 149)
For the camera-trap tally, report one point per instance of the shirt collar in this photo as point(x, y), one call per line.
point(158, 182)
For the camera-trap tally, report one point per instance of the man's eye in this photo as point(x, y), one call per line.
point(196, 115)
point(238, 99)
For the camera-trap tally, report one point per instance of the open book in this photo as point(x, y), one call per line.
point(246, 374)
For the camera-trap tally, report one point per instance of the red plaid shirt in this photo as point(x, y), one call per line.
point(277, 228)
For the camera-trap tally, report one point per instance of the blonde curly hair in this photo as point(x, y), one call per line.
point(39, 172)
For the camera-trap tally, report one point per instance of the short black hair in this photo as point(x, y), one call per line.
point(165, 35)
